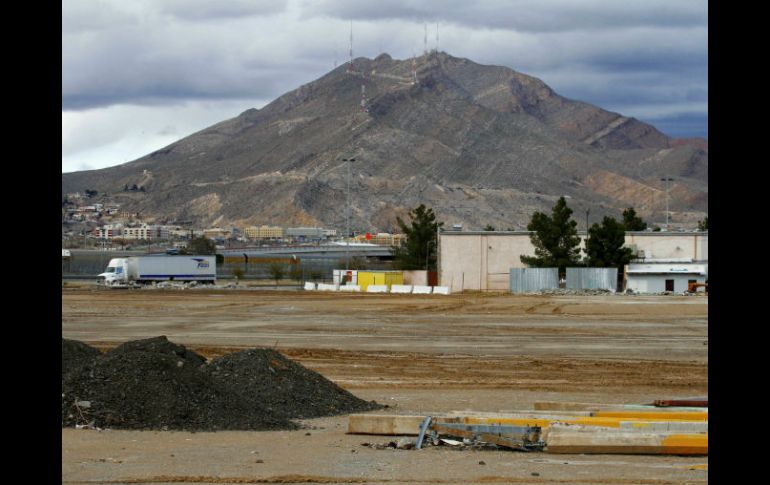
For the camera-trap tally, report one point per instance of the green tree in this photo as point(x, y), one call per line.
point(632, 222)
point(296, 273)
point(704, 224)
point(419, 246)
point(276, 272)
point(238, 274)
point(489, 227)
point(605, 246)
point(201, 245)
point(555, 239)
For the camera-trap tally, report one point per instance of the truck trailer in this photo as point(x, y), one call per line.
point(148, 269)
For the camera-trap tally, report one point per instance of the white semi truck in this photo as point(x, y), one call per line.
point(148, 269)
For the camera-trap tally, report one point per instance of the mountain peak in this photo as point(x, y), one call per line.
point(481, 144)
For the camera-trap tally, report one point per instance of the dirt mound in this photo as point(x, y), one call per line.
point(156, 384)
point(286, 388)
point(75, 354)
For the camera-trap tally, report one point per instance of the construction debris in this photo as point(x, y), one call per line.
point(626, 429)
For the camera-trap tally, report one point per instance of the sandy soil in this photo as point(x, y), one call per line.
point(418, 354)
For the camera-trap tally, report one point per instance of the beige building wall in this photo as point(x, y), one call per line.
point(670, 245)
point(482, 260)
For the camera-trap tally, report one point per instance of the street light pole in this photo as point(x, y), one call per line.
point(347, 216)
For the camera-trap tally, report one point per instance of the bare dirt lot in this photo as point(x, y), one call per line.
point(418, 354)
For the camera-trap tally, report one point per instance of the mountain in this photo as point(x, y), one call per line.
point(479, 144)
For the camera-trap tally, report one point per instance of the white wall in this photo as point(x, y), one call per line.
point(657, 283)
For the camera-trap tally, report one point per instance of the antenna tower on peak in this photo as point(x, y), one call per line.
point(350, 62)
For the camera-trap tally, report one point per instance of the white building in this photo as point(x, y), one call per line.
point(482, 260)
point(657, 277)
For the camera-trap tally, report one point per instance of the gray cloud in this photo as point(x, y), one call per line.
point(522, 15)
point(205, 10)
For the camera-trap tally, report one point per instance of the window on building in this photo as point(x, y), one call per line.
point(669, 285)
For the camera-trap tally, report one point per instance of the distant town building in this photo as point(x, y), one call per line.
point(382, 239)
point(264, 232)
point(217, 233)
point(146, 232)
point(305, 233)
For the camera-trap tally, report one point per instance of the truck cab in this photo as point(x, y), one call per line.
point(116, 272)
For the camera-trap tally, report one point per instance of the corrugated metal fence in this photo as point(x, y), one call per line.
point(592, 278)
point(524, 280)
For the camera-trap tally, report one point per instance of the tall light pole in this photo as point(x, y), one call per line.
point(588, 211)
point(347, 216)
point(667, 180)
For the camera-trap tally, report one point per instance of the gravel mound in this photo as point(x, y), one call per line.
point(156, 384)
point(75, 354)
point(286, 388)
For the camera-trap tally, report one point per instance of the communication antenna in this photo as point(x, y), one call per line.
point(426, 38)
point(350, 63)
point(414, 69)
point(436, 36)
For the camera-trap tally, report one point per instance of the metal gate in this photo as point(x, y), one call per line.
point(525, 280)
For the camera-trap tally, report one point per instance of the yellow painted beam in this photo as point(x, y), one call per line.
point(608, 422)
point(566, 439)
point(660, 416)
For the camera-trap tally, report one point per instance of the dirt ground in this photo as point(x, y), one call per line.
point(416, 353)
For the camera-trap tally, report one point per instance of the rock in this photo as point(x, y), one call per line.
point(405, 444)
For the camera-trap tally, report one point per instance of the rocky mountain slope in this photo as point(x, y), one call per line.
point(480, 144)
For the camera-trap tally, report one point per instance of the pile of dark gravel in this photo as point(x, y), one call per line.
point(288, 389)
point(156, 384)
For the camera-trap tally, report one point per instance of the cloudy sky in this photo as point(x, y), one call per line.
point(138, 75)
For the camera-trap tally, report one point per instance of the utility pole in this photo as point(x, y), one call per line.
point(588, 211)
point(667, 180)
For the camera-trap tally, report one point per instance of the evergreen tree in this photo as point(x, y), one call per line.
point(632, 222)
point(605, 245)
point(555, 239)
point(420, 243)
point(201, 245)
point(704, 224)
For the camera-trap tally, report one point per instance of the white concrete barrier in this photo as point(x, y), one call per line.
point(377, 289)
point(328, 287)
point(422, 290)
point(401, 288)
point(440, 290)
point(350, 287)
point(310, 286)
